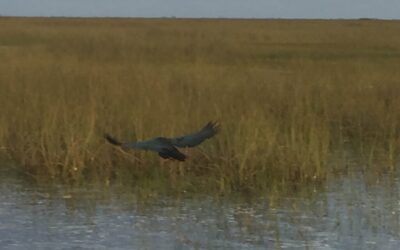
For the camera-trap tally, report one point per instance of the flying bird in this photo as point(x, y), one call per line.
point(167, 147)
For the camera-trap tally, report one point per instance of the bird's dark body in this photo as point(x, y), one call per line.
point(166, 147)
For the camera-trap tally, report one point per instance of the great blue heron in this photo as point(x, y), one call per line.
point(167, 147)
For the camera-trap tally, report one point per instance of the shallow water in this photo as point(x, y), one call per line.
point(351, 213)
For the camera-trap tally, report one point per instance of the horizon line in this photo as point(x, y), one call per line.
point(203, 18)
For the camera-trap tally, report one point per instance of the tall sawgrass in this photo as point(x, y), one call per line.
point(287, 94)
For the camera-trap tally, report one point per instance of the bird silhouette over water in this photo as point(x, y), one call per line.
point(167, 147)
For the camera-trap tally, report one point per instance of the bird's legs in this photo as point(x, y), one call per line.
point(129, 155)
point(202, 153)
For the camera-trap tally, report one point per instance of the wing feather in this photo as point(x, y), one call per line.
point(194, 139)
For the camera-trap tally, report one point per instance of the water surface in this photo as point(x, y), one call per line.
point(351, 213)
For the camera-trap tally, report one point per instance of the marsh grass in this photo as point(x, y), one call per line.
point(287, 94)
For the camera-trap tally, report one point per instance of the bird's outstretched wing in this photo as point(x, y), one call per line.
point(195, 139)
point(161, 145)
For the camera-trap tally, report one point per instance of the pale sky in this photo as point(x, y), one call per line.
point(383, 9)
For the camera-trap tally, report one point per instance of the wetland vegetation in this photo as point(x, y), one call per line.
point(294, 99)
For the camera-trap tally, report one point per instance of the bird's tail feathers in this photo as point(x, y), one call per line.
point(112, 140)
